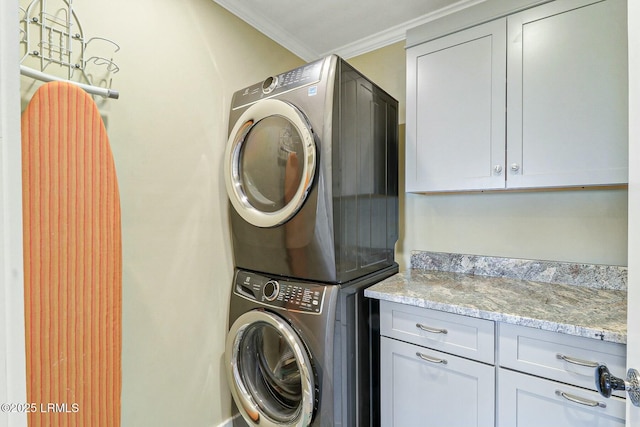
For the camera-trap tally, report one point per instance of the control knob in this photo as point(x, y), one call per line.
point(269, 84)
point(271, 290)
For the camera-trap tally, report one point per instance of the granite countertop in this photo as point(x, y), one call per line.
point(584, 311)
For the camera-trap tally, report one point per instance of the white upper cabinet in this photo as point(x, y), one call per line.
point(455, 111)
point(567, 95)
point(536, 99)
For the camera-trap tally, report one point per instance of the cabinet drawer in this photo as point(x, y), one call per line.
point(528, 401)
point(452, 333)
point(422, 387)
point(558, 356)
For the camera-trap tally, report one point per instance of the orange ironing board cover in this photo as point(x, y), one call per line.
point(72, 262)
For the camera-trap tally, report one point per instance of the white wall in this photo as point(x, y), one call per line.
point(180, 61)
point(633, 296)
point(12, 354)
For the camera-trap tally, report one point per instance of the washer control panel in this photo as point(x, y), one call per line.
point(280, 293)
point(302, 76)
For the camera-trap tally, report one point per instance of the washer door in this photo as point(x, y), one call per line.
point(270, 162)
point(269, 371)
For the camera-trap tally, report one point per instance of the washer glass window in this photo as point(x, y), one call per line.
point(270, 372)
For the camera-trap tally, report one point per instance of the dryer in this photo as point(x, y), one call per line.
point(311, 171)
point(302, 353)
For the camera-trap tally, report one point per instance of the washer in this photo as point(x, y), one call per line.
point(300, 353)
point(311, 171)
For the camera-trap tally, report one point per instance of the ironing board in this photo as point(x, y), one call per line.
point(72, 262)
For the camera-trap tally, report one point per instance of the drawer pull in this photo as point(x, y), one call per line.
point(432, 330)
point(430, 359)
point(575, 361)
point(581, 400)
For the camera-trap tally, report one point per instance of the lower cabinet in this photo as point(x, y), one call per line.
point(423, 387)
point(547, 378)
point(447, 370)
point(436, 368)
point(528, 401)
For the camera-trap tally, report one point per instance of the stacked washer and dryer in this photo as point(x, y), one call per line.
point(311, 170)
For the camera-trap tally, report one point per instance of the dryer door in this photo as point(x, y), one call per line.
point(270, 162)
point(269, 371)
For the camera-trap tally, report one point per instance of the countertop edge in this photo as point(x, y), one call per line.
point(547, 325)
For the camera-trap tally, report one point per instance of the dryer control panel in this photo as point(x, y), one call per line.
point(276, 85)
point(280, 293)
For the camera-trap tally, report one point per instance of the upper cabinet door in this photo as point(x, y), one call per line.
point(455, 111)
point(567, 95)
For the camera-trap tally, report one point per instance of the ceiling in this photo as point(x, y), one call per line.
point(315, 28)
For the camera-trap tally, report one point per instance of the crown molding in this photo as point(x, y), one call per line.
point(358, 47)
point(398, 32)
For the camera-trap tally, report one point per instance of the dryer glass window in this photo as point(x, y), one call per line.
point(270, 372)
point(271, 163)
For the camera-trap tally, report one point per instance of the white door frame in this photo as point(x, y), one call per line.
point(633, 296)
point(12, 345)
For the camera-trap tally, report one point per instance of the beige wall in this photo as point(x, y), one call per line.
point(180, 62)
point(386, 66)
point(580, 226)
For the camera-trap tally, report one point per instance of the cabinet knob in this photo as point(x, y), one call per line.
point(607, 383)
point(515, 167)
point(497, 169)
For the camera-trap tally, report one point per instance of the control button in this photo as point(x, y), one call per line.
point(269, 84)
point(270, 290)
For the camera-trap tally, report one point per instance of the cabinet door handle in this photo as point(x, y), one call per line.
point(432, 330)
point(430, 359)
point(581, 400)
point(576, 361)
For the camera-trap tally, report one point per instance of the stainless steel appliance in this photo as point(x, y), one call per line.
point(302, 353)
point(311, 172)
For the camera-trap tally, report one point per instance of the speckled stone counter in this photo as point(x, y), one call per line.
point(576, 299)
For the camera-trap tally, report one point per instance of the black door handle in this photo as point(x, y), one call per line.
point(607, 383)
